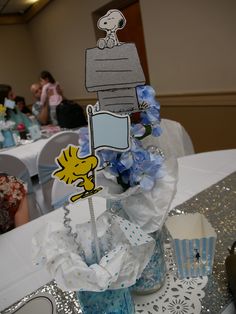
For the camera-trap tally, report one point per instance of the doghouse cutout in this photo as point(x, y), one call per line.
point(113, 69)
point(119, 100)
point(114, 74)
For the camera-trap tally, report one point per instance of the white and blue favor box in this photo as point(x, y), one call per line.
point(194, 241)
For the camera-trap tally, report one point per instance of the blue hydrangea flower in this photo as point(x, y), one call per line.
point(137, 166)
point(137, 130)
point(156, 130)
point(151, 116)
point(84, 142)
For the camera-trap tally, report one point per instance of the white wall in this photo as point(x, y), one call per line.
point(18, 64)
point(61, 33)
point(190, 45)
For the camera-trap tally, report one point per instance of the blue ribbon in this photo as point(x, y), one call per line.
point(61, 201)
point(45, 172)
point(25, 177)
point(8, 139)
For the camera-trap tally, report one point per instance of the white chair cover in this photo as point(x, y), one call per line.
point(60, 196)
point(60, 193)
point(46, 163)
point(174, 140)
point(14, 166)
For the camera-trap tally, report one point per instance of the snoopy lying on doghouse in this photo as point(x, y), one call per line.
point(111, 23)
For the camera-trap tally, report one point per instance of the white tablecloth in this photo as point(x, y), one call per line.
point(199, 171)
point(27, 153)
point(19, 277)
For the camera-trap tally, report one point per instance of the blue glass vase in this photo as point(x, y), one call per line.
point(106, 302)
point(8, 139)
point(153, 276)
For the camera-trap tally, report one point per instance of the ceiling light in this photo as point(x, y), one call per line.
point(31, 1)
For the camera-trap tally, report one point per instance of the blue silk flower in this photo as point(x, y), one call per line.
point(137, 166)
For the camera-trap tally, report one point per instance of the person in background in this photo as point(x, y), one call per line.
point(41, 112)
point(14, 210)
point(21, 105)
point(7, 98)
point(50, 92)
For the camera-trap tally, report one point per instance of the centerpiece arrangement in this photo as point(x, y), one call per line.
point(6, 127)
point(2, 112)
point(122, 247)
point(139, 183)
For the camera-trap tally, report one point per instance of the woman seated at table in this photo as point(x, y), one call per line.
point(21, 105)
point(13, 113)
point(13, 203)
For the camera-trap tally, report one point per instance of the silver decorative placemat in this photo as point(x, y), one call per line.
point(218, 204)
point(66, 302)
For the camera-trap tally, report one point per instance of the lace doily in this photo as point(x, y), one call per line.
point(176, 296)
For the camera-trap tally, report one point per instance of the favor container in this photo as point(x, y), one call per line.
point(194, 241)
point(153, 276)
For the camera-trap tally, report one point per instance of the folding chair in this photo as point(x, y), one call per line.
point(60, 193)
point(79, 211)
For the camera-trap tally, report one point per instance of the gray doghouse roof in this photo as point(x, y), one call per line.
point(118, 67)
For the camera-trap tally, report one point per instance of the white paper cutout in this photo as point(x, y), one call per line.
point(108, 130)
point(113, 70)
point(111, 23)
point(119, 100)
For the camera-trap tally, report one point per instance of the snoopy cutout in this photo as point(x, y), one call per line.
point(111, 23)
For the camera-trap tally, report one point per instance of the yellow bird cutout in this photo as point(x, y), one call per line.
point(73, 168)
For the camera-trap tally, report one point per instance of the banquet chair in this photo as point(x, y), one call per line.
point(60, 193)
point(12, 165)
point(174, 140)
point(60, 196)
point(46, 163)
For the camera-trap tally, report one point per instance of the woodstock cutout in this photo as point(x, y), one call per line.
point(73, 168)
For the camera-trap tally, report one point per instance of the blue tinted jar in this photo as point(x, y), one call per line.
point(8, 139)
point(106, 302)
point(153, 276)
